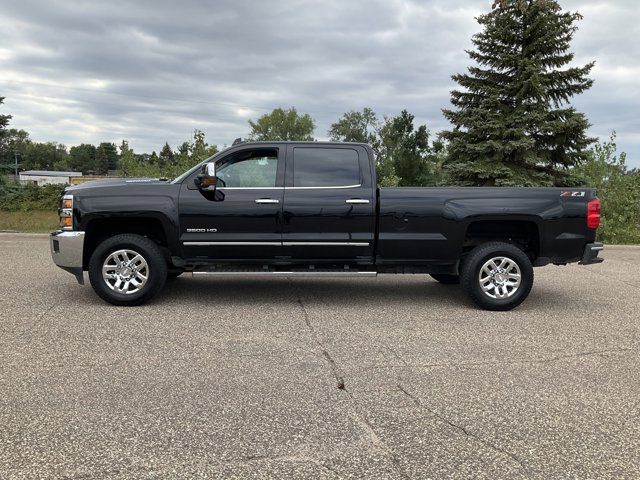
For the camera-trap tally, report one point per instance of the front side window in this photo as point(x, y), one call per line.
point(325, 167)
point(249, 169)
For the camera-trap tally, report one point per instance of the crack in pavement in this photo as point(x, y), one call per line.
point(464, 431)
point(602, 353)
point(325, 353)
point(595, 272)
point(31, 328)
point(360, 416)
point(376, 441)
point(395, 354)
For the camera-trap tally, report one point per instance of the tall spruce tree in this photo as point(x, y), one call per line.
point(513, 124)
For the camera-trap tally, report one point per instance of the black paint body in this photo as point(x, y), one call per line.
point(399, 230)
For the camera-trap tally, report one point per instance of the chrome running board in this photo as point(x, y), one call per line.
point(286, 274)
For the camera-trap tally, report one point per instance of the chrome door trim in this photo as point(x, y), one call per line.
point(280, 244)
point(207, 244)
point(357, 201)
point(250, 188)
point(328, 244)
point(323, 188)
point(289, 188)
point(267, 201)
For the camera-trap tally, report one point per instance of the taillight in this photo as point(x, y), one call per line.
point(593, 214)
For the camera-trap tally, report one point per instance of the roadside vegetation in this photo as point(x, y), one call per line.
point(35, 221)
point(512, 124)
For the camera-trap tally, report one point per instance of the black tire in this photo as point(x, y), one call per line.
point(446, 279)
point(473, 263)
point(156, 275)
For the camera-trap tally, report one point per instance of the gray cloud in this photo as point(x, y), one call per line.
point(153, 71)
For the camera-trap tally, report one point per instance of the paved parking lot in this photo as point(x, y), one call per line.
point(395, 377)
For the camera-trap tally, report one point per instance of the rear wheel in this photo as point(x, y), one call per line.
point(127, 270)
point(497, 276)
point(446, 279)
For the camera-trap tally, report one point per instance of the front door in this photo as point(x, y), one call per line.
point(243, 220)
point(328, 204)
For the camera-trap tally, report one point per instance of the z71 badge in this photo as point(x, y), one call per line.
point(572, 194)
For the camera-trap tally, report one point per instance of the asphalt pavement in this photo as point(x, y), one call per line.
point(396, 377)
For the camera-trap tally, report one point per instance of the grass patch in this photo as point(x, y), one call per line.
point(37, 221)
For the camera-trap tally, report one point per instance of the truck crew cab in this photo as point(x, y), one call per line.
point(312, 208)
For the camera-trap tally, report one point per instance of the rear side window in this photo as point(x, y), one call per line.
point(325, 167)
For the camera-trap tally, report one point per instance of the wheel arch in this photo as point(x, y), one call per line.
point(98, 229)
point(524, 232)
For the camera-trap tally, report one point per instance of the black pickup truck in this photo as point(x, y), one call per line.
point(298, 208)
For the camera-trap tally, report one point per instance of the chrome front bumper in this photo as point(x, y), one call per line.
point(67, 250)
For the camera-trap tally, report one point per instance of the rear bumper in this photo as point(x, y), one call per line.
point(67, 250)
point(591, 251)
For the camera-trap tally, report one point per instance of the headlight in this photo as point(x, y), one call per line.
point(66, 212)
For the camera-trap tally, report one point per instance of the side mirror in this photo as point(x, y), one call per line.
point(207, 179)
point(210, 169)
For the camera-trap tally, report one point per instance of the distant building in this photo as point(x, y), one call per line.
point(46, 177)
point(89, 178)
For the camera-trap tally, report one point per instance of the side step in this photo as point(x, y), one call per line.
point(310, 273)
point(274, 272)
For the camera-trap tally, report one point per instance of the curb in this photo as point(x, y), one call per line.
point(7, 233)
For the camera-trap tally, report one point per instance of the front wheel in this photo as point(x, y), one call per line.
point(497, 276)
point(127, 270)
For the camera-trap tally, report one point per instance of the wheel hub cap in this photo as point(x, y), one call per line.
point(500, 277)
point(125, 271)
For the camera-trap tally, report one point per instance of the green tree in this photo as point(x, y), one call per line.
point(183, 149)
point(83, 158)
point(4, 121)
point(283, 124)
point(13, 144)
point(361, 127)
point(106, 157)
point(128, 161)
point(618, 190)
point(404, 156)
point(5, 152)
point(200, 149)
point(166, 157)
point(513, 124)
point(43, 156)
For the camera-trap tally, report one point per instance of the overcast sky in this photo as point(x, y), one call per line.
point(153, 71)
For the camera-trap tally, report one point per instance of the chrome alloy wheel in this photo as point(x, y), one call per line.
point(500, 278)
point(125, 271)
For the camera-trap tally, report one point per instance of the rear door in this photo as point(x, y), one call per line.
point(328, 204)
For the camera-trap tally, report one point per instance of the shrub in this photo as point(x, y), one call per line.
point(618, 190)
point(14, 197)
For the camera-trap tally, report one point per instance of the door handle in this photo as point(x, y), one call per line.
point(357, 201)
point(267, 200)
